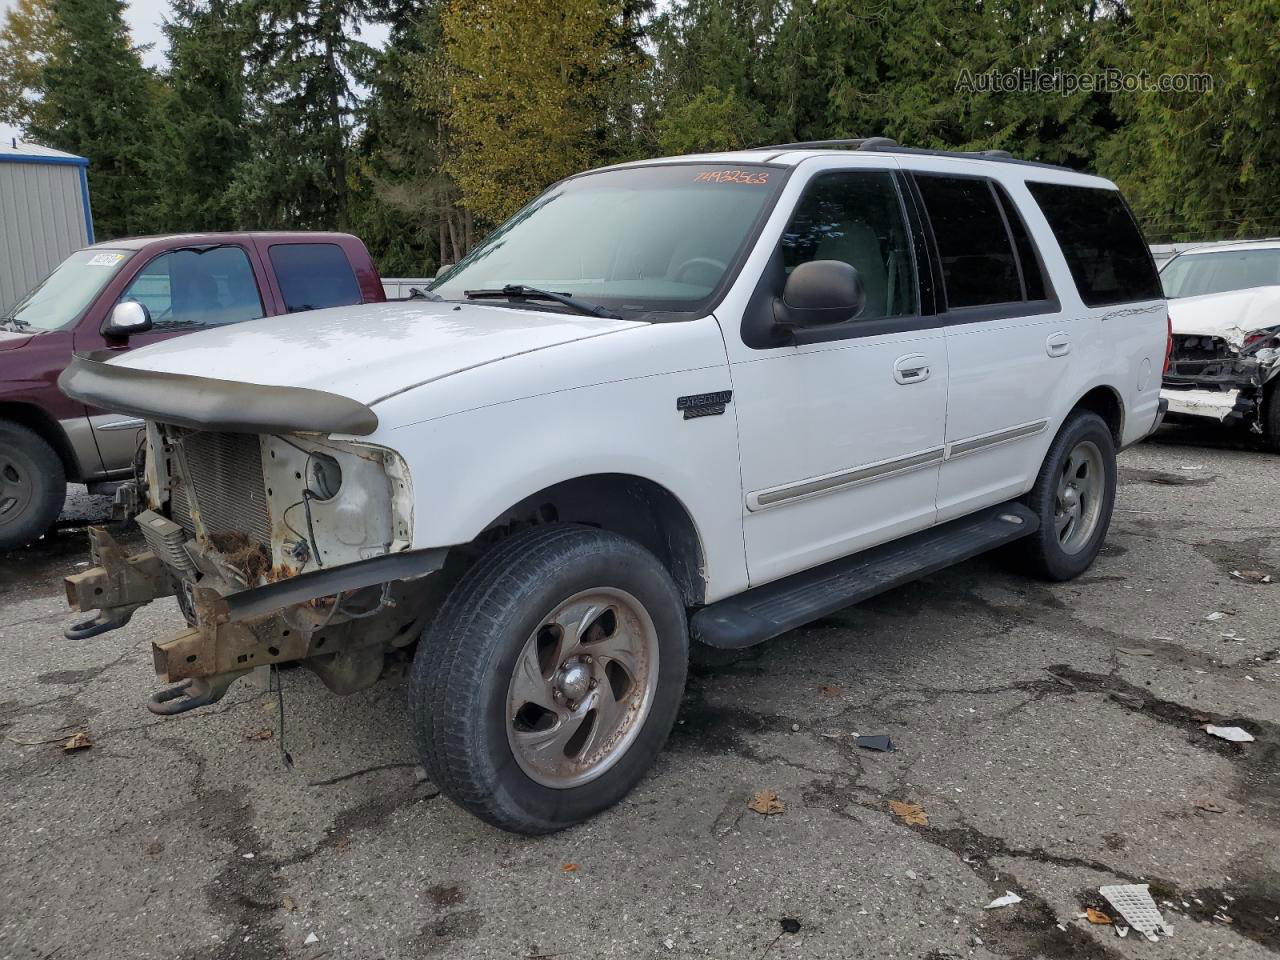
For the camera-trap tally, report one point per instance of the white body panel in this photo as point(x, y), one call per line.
point(820, 453)
point(1232, 315)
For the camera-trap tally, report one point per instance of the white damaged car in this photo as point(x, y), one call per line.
point(1224, 306)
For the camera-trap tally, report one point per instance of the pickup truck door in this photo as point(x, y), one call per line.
point(1009, 343)
point(185, 290)
point(841, 429)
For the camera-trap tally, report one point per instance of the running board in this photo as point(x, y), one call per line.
point(765, 612)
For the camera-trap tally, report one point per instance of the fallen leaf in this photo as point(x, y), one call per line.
point(911, 813)
point(569, 868)
point(266, 733)
point(1252, 576)
point(78, 741)
point(1208, 806)
point(1096, 916)
point(765, 803)
point(829, 690)
point(289, 903)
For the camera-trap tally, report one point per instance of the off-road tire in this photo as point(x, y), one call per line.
point(1041, 554)
point(464, 663)
point(27, 459)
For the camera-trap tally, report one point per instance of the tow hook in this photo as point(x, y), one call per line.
point(106, 620)
point(115, 587)
point(191, 693)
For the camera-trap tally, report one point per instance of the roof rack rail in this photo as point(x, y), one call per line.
point(865, 143)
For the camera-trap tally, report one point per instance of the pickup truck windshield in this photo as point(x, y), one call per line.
point(60, 298)
point(640, 239)
point(1194, 275)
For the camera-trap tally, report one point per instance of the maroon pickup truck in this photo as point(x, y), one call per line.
point(128, 293)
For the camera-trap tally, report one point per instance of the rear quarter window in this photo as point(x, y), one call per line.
point(313, 276)
point(1104, 249)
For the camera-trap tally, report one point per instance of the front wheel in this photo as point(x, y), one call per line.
point(550, 678)
point(33, 486)
point(1073, 496)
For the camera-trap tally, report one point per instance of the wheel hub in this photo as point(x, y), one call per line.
point(573, 679)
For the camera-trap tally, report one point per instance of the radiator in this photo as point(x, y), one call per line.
point(225, 484)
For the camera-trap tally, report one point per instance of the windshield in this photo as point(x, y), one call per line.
point(1193, 275)
point(642, 239)
point(59, 299)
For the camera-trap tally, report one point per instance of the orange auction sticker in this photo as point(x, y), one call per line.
point(755, 177)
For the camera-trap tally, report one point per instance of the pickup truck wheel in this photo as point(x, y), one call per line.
point(550, 678)
point(33, 486)
point(1073, 497)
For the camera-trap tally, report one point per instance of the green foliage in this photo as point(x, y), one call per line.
point(305, 60)
point(27, 40)
point(400, 200)
point(273, 113)
point(1203, 165)
point(97, 100)
point(202, 140)
point(530, 94)
point(711, 121)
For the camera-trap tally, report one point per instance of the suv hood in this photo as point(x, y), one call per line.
point(1230, 315)
point(367, 353)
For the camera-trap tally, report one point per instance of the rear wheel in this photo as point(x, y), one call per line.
point(550, 678)
point(33, 486)
point(1073, 497)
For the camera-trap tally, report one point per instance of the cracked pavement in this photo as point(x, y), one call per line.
point(1050, 732)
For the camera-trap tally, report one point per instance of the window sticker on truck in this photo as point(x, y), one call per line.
point(753, 177)
point(105, 259)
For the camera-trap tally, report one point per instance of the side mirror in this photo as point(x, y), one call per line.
point(819, 293)
point(127, 318)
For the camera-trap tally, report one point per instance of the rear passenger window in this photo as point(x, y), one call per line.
point(978, 265)
point(857, 218)
point(313, 276)
point(1102, 244)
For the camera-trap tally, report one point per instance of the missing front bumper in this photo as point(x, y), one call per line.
point(317, 618)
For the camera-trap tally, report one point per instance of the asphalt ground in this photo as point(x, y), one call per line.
point(1050, 734)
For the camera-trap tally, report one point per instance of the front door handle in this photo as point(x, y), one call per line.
point(913, 368)
point(1058, 345)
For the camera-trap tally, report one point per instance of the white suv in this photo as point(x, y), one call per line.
point(696, 400)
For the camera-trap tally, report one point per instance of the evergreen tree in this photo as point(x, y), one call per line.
point(403, 205)
point(1202, 165)
point(305, 63)
point(202, 137)
point(98, 101)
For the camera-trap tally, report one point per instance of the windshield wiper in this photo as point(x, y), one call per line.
point(518, 291)
point(14, 324)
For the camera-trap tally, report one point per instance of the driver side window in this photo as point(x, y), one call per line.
point(194, 288)
point(856, 217)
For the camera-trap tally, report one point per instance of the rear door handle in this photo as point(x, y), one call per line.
point(913, 368)
point(1057, 345)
